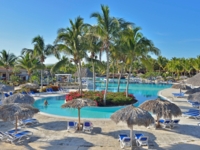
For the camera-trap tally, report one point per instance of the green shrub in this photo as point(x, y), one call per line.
point(112, 99)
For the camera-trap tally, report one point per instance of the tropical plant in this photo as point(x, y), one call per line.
point(107, 29)
point(41, 51)
point(7, 61)
point(138, 48)
point(70, 41)
point(25, 62)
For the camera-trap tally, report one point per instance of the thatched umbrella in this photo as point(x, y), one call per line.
point(133, 116)
point(30, 86)
point(5, 88)
point(194, 97)
point(169, 77)
point(19, 98)
point(162, 108)
point(195, 80)
point(192, 91)
point(15, 111)
point(79, 103)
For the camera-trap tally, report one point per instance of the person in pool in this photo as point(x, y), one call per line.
point(45, 103)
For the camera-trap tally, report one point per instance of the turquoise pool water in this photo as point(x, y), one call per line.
point(142, 92)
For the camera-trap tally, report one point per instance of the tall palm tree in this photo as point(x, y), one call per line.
point(138, 49)
point(71, 41)
point(108, 28)
point(28, 63)
point(7, 60)
point(41, 51)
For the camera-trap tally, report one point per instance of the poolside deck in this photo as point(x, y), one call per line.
point(51, 134)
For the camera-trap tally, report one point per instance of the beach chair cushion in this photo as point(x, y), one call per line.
point(121, 136)
point(137, 136)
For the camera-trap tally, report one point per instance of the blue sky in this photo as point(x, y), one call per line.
point(172, 25)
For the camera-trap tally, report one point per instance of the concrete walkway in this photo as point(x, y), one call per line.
point(51, 134)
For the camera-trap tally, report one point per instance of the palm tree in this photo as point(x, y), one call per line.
point(162, 61)
point(7, 60)
point(29, 64)
point(41, 51)
point(71, 41)
point(108, 28)
point(138, 49)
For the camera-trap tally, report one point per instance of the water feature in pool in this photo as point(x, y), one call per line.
point(142, 92)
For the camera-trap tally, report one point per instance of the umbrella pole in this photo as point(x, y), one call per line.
point(131, 136)
point(158, 123)
point(16, 118)
point(79, 119)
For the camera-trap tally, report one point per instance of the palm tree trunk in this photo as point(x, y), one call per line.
point(107, 77)
point(93, 76)
point(120, 75)
point(41, 82)
point(7, 75)
point(127, 85)
point(80, 78)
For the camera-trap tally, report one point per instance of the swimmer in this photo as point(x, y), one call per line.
point(45, 102)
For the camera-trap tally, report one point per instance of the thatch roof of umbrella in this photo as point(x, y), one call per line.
point(169, 77)
point(19, 98)
point(79, 103)
point(30, 86)
point(6, 88)
point(133, 116)
point(195, 80)
point(23, 111)
point(192, 91)
point(85, 72)
point(194, 97)
point(178, 86)
point(162, 108)
point(139, 74)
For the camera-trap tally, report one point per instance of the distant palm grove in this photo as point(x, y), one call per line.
point(80, 45)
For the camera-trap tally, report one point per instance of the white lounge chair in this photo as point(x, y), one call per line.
point(174, 123)
point(71, 125)
point(15, 138)
point(3, 136)
point(178, 94)
point(165, 123)
point(87, 126)
point(125, 140)
point(141, 140)
point(26, 122)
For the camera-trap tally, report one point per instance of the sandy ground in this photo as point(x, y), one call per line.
point(51, 133)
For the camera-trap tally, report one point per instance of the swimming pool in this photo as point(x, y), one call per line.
point(142, 92)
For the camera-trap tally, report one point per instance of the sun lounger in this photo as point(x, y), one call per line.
point(26, 122)
point(174, 123)
point(15, 138)
point(71, 125)
point(124, 140)
point(178, 94)
point(165, 123)
point(32, 93)
point(3, 136)
point(13, 131)
point(87, 126)
point(6, 95)
point(141, 140)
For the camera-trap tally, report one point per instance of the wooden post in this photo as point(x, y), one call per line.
point(16, 118)
point(131, 136)
point(79, 120)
